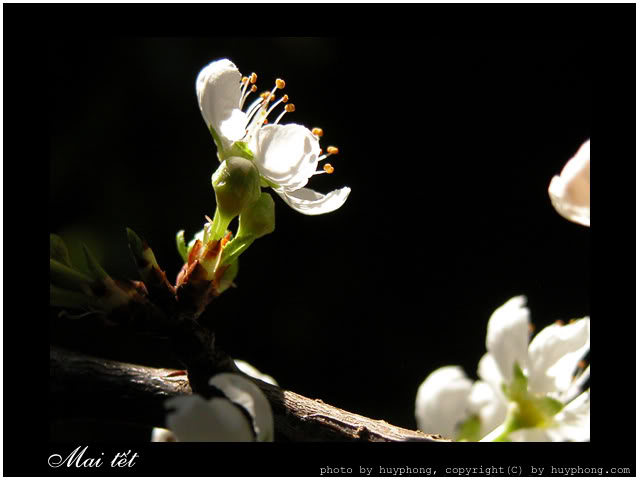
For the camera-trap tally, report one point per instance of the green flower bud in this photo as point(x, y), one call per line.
point(257, 220)
point(237, 185)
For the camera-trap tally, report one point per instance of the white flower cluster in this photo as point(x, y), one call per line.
point(527, 391)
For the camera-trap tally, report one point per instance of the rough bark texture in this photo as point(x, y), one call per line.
point(83, 386)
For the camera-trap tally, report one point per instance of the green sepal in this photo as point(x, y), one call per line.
point(228, 277)
point(470, 430)
point(182, 246)
point(58, 250)
point(62, 275)
point(238, 149)
point(517, 390)
point(549, 406)
point(235, 247)
point(267, 183)
point(95, 270)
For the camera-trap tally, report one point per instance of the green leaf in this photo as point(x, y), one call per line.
point(63, 276)
point(136, 245)
point(95, 270)
point(58, 250)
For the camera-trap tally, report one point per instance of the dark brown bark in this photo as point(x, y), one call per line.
point(83, 386)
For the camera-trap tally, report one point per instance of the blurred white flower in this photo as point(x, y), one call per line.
point(570, 191)
point(286, 156)
point(243, 416)
point(248, 369)
point(162, 435)
point(527, 390)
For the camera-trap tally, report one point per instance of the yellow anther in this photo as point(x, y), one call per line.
point(285, 98)
point(245, 79)
point(332, 150)
point(317, 132)
point(272, 98)
point(328, 168)
point(280, 83)
point(290, 108)
point(254, 78)
point(264, 95)
point(253, 88)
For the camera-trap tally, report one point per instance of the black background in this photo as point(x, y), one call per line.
point(450, 126)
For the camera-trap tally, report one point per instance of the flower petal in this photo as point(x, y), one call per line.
point(508, 336)
point(554, 354)
point(218, 89)
point(246, 367)
point(198, 420)
point(286, 155)
point(488, 405)
point(441, 401)
point(245, 393)
point(570, 191)
point(489, 371)
point(310, 202)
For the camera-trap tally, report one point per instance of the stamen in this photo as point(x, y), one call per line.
point(560, 323)
point(208, 219)
point(328, 168)
point(330, 151)
point(317, 132)
point(276, 104)
point(243, 94)
point(280, 83)
point(289, 107)
point(285, 98)
point(254, 78)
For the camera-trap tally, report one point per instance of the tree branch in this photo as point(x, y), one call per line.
point(83, 386)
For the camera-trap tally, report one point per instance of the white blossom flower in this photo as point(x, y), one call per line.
point(195, 419)
point(286, 156)
point(543, 395)
point(532, 383)
point(570, 191)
